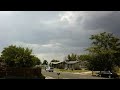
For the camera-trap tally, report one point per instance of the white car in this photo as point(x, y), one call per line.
point(50, 69)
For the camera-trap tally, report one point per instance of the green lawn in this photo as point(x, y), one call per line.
point(74, 71)
point(118, 72)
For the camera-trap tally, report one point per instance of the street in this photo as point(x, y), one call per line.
point(68, 75)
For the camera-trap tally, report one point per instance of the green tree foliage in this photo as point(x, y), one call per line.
point(45, 62)
point(15, 56)
point(105, 51)
point(84, 57)
point(1, 60)
point(72, 57)
point(55, 60)
point(36, 60)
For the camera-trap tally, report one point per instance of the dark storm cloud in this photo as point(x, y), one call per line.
point(109, 22)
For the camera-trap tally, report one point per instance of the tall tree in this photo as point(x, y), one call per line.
point(72, 57)
point(36, 60)
point(15, 56)
point(84, 57)
point(104, 48)
point(45, 62)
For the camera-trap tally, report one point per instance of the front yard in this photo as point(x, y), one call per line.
point(118, 72)
point(73, 71)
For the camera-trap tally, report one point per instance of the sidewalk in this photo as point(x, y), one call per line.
point(47, 77)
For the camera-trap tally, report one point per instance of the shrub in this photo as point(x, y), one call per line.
point(116, 69)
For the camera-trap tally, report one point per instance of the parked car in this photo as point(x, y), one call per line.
point(50, 69)
point(108, 74)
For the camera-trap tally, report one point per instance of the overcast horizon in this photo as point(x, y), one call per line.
point(55, 34)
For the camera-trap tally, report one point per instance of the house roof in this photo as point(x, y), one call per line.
point(72, 62)
point(55, 62)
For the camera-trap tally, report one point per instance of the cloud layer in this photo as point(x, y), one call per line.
point(54, 34)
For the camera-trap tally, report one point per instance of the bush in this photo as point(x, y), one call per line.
point(15, 56)
point(42, 76)
point(116, 69)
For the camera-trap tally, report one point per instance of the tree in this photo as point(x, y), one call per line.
point(36, 60)
point(55, 60)
point(105, 51)
point(84, 57)
point(1, 60)
point(15, 56)
point(45, 62)
point(72, 57)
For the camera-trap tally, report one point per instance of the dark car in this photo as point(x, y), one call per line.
point(108, 74)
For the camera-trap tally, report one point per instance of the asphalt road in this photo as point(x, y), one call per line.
point(68, 75)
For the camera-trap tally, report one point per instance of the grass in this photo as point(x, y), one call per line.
point(118, 72)
point(74, 71)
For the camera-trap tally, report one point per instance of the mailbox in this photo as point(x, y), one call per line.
point(58, 73)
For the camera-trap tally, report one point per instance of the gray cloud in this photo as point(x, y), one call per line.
point(108, 21)
point(54, 34)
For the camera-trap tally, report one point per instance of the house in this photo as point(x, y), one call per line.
point(74, 65)
point(55, 64)
point(60, 65)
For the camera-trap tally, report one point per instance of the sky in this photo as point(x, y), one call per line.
point(55, 34)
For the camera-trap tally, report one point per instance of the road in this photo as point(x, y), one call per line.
point(68, 75)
